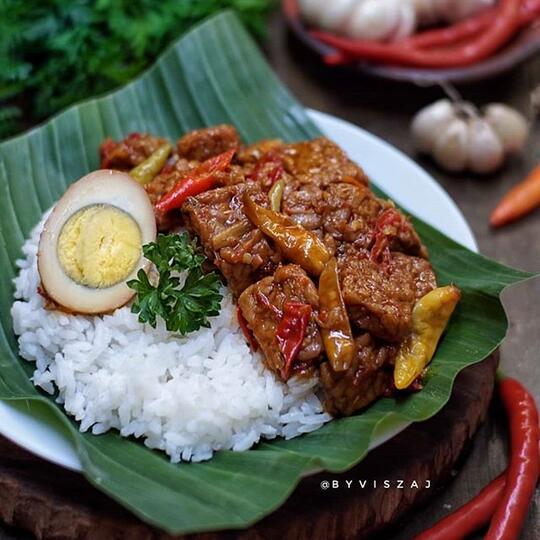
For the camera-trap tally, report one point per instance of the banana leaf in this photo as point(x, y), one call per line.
point(215, 74)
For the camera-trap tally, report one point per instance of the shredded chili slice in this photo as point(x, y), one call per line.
point(200, 179)
point(248, 334)
point(390, 218)
point(291, 332)
point(269, 166)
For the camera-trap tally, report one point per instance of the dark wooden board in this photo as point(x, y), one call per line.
point(53, 503)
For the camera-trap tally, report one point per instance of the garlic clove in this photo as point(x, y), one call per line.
point(373, 20)
point(428, 123)
point(511, 126)
point(334, 15)
point(407, 21)
point(450, 148)
point(485, 150)
point(311, 10)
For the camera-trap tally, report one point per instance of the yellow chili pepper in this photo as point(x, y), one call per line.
point(429, 319)
point(336, 330)
point(296, 243)
point(146, 171)
point(232, 233)
point(276, 194)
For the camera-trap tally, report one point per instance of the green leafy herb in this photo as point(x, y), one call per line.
point(185, 307)
point(56, 52)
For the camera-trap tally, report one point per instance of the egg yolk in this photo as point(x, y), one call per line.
point(99, 246)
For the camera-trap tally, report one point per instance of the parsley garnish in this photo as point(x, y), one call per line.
point(184, 308)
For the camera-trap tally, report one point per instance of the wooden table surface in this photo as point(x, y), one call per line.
point(386, 109)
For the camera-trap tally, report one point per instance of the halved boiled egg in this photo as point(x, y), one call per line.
point(91, 244)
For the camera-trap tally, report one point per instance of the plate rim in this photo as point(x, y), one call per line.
point(67, 457)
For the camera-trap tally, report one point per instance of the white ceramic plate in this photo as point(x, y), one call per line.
point(403, 180)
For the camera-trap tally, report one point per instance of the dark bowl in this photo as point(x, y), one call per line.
point(523, 46)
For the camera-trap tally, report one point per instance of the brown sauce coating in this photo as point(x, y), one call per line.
point(383, 265)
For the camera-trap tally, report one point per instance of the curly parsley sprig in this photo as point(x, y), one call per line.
point(184, 308)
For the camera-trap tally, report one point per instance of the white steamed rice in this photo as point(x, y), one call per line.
point(186, 396)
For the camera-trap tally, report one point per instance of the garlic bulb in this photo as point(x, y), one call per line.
point(435, 11)
point(485, 150)
point(375, 20)
point(510, 126)
point(450, 147)
point(460, 139)
point(429, 122)
point(327, 15)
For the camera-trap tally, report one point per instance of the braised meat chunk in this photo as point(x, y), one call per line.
point(348, 214)
point(313, 166)
point(380, 296)
point(368, 378)
point(239, 250)
point(128, 153)
point(272, 308)
point(202, 144)
point(325, 273)
point(320, 161)
point(251, 154)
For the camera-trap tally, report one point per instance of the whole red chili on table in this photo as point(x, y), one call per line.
point(505, 501)
point(470, 517)
point(291, 332)
point(524, 464)
point(196, 181)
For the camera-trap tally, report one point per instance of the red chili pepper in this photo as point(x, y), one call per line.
point(248, 334)
point(106, 149)
point(506, 499)
point(468, 28)
point(291, 332)
point(263, 299)
point(380, 250)
point(524, 463)
point(196, 181)
point(470, 517)
point(497, 34)
point(261, 171)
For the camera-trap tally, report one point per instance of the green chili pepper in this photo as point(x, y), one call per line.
point(146, 171)
point(276, 194)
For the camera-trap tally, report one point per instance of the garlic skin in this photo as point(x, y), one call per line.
point(485, 149)
point(511, 126)
point(429, 122)
point(374, 20)
point(330, 16)
point(459, 138)
point(407, 22)
point(450, 148)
